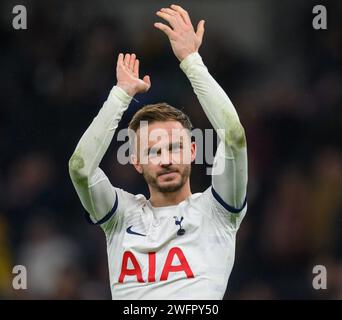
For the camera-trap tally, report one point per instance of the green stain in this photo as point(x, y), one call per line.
point(76, 162)
point(241, 138)
point(233, 218)
point(236, 136)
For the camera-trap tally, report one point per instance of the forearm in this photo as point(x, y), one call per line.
point(214, 101)
point(83, 164)
point(96, 139)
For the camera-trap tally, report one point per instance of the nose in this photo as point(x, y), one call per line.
point(165, 158)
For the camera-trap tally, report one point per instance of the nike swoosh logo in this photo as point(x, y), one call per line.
point(129, 230)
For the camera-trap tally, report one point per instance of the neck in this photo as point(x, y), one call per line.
point(163, 199)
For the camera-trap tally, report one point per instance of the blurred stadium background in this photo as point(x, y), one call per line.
point(285, 79)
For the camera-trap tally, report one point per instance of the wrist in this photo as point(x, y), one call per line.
point(186, 55)
point(121, 94)
point(128, 89)
point(191, 59)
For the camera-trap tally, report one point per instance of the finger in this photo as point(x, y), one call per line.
point(174, 14)
point(170, 19)
point(131, 61)
point(136, 68)
point(183, 13)
point(166, 29)
point(168, 11)
point(120, 59)
point(147, 80)
point(200, 30)
point(126, 60)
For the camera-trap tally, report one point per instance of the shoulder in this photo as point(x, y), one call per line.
point(125, 203)
point(128, 201)
point(212, 206)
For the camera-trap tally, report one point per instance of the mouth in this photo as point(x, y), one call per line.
point(168, 174)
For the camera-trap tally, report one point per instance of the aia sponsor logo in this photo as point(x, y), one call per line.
point(167, 268)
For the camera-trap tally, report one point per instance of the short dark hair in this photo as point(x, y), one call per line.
point(159, 112)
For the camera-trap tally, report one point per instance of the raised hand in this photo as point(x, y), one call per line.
point(127, 74)
point(183, 38)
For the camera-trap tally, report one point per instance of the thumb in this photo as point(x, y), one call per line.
point(147, 80)
point(200, 30)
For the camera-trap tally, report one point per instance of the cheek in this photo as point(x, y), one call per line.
point(149, 169)
point(153, 162)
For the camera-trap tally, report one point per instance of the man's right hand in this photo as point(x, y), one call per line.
point(127, 74)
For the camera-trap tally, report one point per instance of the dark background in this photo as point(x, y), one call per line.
point(283, 77)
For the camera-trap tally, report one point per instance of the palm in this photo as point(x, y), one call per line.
point(183, 38)
point(127, 73)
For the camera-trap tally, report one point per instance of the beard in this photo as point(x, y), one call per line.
point(172, 185)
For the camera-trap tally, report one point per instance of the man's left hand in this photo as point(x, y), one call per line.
point(183, 38)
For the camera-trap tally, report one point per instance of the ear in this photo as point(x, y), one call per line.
point(136, 163)
point(193, 151)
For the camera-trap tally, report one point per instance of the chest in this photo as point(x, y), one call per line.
point(158, 247)
point(145, 230)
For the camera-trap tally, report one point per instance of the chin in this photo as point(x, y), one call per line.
point(170, 186)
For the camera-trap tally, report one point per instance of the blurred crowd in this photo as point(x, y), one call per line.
point(54, 78)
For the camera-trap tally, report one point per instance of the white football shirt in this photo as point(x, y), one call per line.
point(150, 258)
